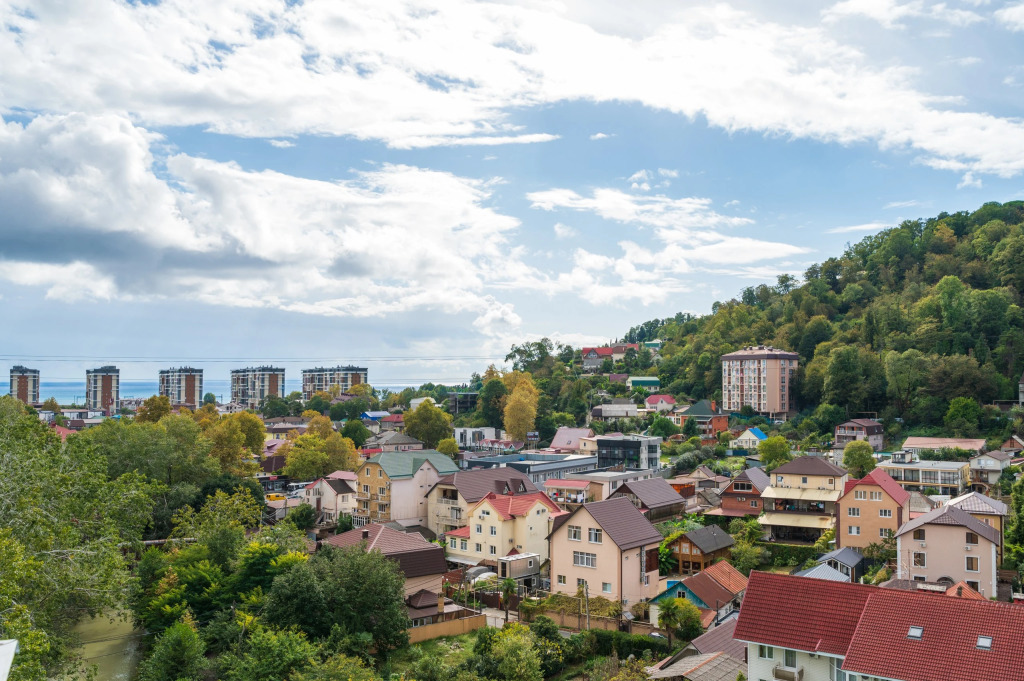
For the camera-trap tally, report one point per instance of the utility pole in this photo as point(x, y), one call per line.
point(586, 595)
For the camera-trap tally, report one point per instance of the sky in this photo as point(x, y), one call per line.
point(415, 186)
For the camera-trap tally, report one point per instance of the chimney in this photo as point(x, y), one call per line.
point(366, 534)
point(959, 592)
point(440, 604)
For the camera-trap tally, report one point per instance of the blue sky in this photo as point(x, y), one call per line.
point(368, 181)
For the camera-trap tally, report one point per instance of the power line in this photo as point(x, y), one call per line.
point(242, 360)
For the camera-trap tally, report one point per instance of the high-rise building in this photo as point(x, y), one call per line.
point(103, 388)
point(321, 379)
point(183, 386)
point(25, 384)
point(252, 385)
point(761, 376)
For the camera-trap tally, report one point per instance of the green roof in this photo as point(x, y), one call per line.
point(645, 379)
point(405, 464)
point(702, 408)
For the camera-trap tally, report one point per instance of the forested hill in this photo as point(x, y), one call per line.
point(900, 324)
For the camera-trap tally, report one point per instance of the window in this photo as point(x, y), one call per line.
point(494, 550)
point(595, 536)
point(561, 579)
point(380, 473)
point(853, 512)
point(789, 659)
point(803, 480)
point(972, 564)
point(484, 513)
point(885, 513)
point(581, 559)
point(974, 585)
point(463, 545)
point(860, 495)
point(884, 532)
point(778, 479)
point(575, 533)
point(381, 491)
point(853, 530)
point(766, 652)
point(479, 548)
point(479, 529)
point(920, 559)
point(580, 582)
point(876, 496)
point(742, 487)
point(366, 489)
point(835, 673)
point(606, 587)
point(453, 543)
point(494, 531)
point(831, 481)
point(972, 538)
point(918, 535)
point(753, 504)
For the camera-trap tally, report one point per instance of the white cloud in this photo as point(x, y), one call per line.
point(891, 13)
point(282, 144)
point(731, 204)
point(639, 176)
point(867, 227)
point(969, 180)
point(564, 231)
point(600, 136)
point(68, 282)
point(966, 61)
point(1011, 16)
point(900, 204)
point(666, 172)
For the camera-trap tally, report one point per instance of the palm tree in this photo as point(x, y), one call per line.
point(668, 617)
point(508, 588)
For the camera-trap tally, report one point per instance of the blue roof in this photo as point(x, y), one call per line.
point(756, 432)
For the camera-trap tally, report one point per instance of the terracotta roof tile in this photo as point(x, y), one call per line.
point(517, 505)
point(882, 479)
point(708, 590)
point(728, 576)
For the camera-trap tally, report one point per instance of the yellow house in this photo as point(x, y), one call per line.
point(449, 501)
point(503, 524)
point(392, 486)
point(611, 547)
point(800, 500)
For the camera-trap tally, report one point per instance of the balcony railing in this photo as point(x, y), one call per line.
point(788, 674)
point(446, 500)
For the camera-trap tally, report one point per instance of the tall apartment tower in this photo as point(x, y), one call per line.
point(760, 376)
point(103, 388)
point(183, 386)
point(321, 379)
point(25, 384)
point(250, 386)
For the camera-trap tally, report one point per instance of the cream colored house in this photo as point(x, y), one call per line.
point(503, 524)
point(393, 486)
point(611, 547)
point(872, 509)
point(800, 501)
point(948, 545)
point(331, 498)
point(990, 511)
point(450, 499)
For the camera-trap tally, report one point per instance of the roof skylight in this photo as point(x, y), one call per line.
point(985, 642)
point(915, 633)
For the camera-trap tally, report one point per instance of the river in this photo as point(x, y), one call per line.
point(114, 647)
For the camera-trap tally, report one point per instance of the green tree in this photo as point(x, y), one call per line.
point(859, 458)
point(516, 655)
point(220, 524)
point(210, 398)
point(303, 517)
point(154, 409)
point(449, 446)
point(254, 432)
point(228, 444)
point(268, 655)
point(307, 458)
point(338, 668)
point(669, 614)
point(745, 557)
point(356, 431)
point(508, 588)
point(491, 402)
point(963, 416)
point(690, 428)
point(662, 427)
point(689, 626)
point(774, 452)
point(521, 409)
point(428, 424)
point(178, 654)
point(51, 404)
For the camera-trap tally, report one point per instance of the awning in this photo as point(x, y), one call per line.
point(818, 522)
point(798, 494)
point(461, 561)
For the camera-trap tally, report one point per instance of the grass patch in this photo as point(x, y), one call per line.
point(581, 670)
point(453, 649)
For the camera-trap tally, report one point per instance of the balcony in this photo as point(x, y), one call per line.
point(788, 674)
point(446, 500)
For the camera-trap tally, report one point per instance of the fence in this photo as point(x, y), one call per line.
point(449, 628)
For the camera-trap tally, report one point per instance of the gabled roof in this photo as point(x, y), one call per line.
point(720, 639)
point(756, 477)
point(701, 408)
point(973, 502)
point(462, 532)
point(339, 486)
point(393, 418)
point(882, 479)
point(951, 515)
point(415, 555)
point(710, 539)
point(565, 483)
point(961, 590)
point(865, 423)
point(718, 666)
point(621, 521)
point(399, 465)
point(758, 433)
point(402, 439)
point(706, 588)
point(600, 352)
point(996, 454)
point(510, 506)
point(810, 465)
point(653, 492)
point(476, 484)
point(970, 444)
point(654, 399)
point(569, 438)
point(728, 576)
point(823, 571)
point(845, 556)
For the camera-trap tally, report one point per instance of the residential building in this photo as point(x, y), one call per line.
point(323, 379)
point(846, 561)
point(990, 511)
point(252, 385)
point(742, 497)
point(859, 429)
point(823, 571)
point(103, 389)
point(451, 497)
point(469, 438)
point(504, 524)
point(611, 480)
point(393, 422)
point(393, 486)
point(800, 502)
point(719, 666)
point(749, 439)
point(610, 546)
point(593, 358)
point(461, 402)
point(25, 384)
point(915, 475)
point(569, 494)
point(182, 386)
point(568, 439)
point(538, 466)
point(400, 442)
point(421, 562)
point(650, 383)
point(660, 403)
point(698, 550)
point(415, 402)
point(654, 497)
point(331, 498)
point(1014, 444)
point(870, 510)
point(813, 630)
point(716, 640)
point(760, 376)
point(629, 451)
point(619, 408)
point(710, 420)
point(916, 445)
point(949, 545)
point(986, 469)
point(717, 591)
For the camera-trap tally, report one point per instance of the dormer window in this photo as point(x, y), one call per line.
point(985, 642)
point(915, 633)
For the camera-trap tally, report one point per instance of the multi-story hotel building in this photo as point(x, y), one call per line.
point(252, 385)
point(182, 386)
point(25, 384)
point(760, 376)
point(103, 388)
point(321, 379)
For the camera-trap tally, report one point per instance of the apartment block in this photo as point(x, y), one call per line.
point(252, 385)
point(103, 388)
point(760, 376)
point(321, 379)
point(182, 386)
point(25, 384)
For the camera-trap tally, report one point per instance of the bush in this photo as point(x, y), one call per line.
point(788, 554)
point(624, 645)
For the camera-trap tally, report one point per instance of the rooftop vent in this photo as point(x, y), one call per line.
point(985, 642)
point(915, 633)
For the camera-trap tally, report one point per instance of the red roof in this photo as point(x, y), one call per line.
point(882, 479)
point(728, 576)
point(393, 418)
point(601, 352)
point(63, 432)
point(462, 532)
point(961, 590)
point(654, 399)
point(513, 505)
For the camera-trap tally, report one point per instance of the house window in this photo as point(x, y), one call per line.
point(581, 559)
point(853, 512)
point(972, 564)
point(778, 479)
point(803, 480)
point(580, 582)
point(876, 496)
point(972, 538)
point(860, 495)
point(766, 652)
point(835, 673)
point(884, 533)
point(753, 504)
point(452, 543)
point(366, 489)
point(831, 481)
point(479, 529)
point(595, 536)
point(561, 579)
point(885, 513)
point(575, 533)
point(463, 545)
point(789, 659)
point(918, 535)
point(479, 548)
point(974, 585)
point(381, 491)
point(494, 531)
point(380, 473)
point(494, 550)
point(606, 587)
point(484, 513)
point(853, 529)
point(920, 559)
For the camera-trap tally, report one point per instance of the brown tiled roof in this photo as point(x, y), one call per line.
point(622, 522)
point(810, 465)
point(653, 492)
point(273, 463)
point(424, 598)
point(972, 502)
point(881, 479)
point(757, 477)
point(475, 485)
point(728, 576)
point(415, 555)
point(708, 590)
point(951, 515)
point(569, 438)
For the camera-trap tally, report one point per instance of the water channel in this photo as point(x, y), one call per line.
point(115, 647)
